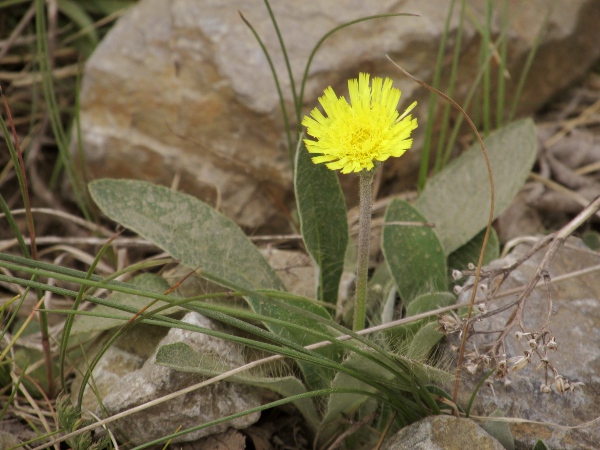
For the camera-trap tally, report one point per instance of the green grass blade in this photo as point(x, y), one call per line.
point(297, 106)
point(54, 111)
point(528, 63)
point(502, 68)
point(445, 122)
point(284, 114)
point(326, 36)
point(437, 75)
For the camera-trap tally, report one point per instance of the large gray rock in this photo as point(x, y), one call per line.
point(576, 326)
point(442, 433)
point(128, 377)
point(181, 86)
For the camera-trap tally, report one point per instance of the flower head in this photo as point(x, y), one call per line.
point(353, 135)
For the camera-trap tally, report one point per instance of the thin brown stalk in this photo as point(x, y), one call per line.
point(487, 230)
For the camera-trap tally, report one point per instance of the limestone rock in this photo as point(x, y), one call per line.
point(442, 433)
point(124, 383)
point(576, 325)
point(180, 88)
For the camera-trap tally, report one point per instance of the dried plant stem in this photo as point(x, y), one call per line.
point(487, 230)
point(554, 241)
point(364, 245)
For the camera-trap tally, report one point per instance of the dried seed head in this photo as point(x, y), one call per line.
point(552, 345)
point(472, 368)
point(471, 266)
point(481, 308)
point(486, 360)
point(532, 344)
point(502, 368)
point(450, 323)
point(457, 275)
point(545, 389)
point(519, 362)
point(559, 384)
point(457, 289)
point(519, 335)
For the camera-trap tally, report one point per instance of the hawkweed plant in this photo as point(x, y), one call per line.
point(357, 137)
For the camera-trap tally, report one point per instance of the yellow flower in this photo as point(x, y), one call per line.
point(352, 136)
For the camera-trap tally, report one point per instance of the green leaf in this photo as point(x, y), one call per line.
point(539, 445)
point(107, 7)
point(421, 304)
point(340, 405)
point(414, 254)
point(201, 237)
point(500, 431)
point(147, 282)
point(80, 17)
point(424, 341)
point(180, 356)
point(188, 229)
point(402, 383)
point(469, 253)
point(429, 302)
point(323, 221)
point(591, 238)
point(382, 293)
point(457, 200)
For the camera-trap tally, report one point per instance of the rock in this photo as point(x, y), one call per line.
point(229, 440)
point(295, 269)
point(180, 87)
point(126, 380)
point(576, 325)
point(442, 433)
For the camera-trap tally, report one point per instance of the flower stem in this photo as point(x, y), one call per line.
point(364, 243)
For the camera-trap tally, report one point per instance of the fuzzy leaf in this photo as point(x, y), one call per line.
point(414, 254)
point(323, 221)
point(457, 199)
point(421, 304)
point(340, 405)
point(426, 338)
point(539, 445)
point(201, 237)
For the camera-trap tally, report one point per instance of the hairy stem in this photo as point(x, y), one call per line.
point(364, 244)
